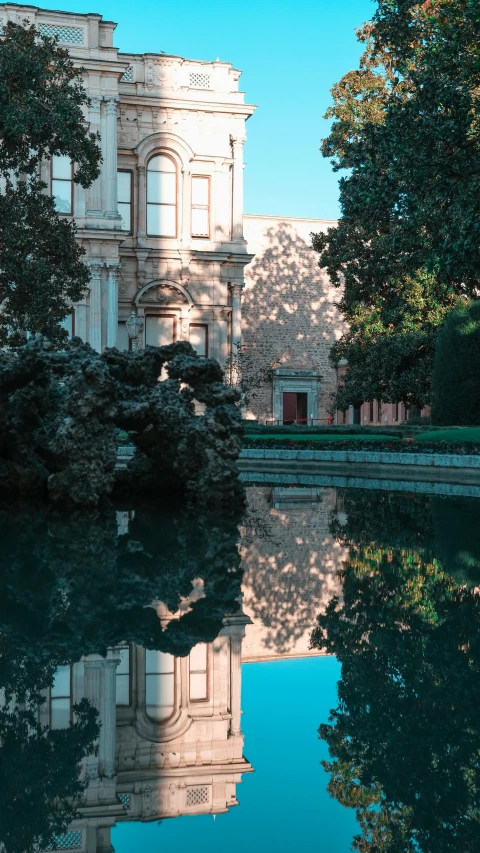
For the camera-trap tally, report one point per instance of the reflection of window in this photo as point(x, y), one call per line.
point(123, 677)
point(198, 673)
point(161, 197)
point(60, 698)
point(62, 182)
point(159, 684)
point(199, 338)
point(124, 203)
point(370, 411)
point(395, 411)
point(379, 412)
point(200, 202)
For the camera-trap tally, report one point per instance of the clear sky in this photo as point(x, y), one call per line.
point(284, 805)
point(291, 52)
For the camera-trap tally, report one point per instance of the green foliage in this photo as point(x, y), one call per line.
point(39, 774)
point(41, 271)
point(404, 739)
point(456, 372)
point(406, 126)
point(41, 100)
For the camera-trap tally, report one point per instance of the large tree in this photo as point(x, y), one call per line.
point(41, 101)
point(407, 246)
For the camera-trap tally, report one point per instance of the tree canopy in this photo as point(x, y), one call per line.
point(41, 115)
point(406, 126)
point(404, 738)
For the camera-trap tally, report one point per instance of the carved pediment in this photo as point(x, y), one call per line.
point(164, 294)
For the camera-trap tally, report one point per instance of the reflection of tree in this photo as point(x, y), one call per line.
point(404, 739)
point(289, 567)
point(39, 774)
point(76, 588)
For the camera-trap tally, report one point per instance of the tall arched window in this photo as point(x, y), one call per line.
point(159, 685)
point(161, 197)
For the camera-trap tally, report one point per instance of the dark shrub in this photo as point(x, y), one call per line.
point(456, 372)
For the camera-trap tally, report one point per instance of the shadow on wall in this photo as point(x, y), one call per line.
point(288, 312)
point(290, 562)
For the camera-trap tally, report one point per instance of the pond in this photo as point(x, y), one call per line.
point(303, 677)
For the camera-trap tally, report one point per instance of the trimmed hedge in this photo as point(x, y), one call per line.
point(455, 393)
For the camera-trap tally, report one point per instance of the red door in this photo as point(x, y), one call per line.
point(294, 408)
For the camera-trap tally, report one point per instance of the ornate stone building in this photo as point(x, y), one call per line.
point(165, 233)
point(163, 224)
point(170, 739)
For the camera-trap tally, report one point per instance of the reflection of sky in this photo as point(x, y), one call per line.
point(283, 805)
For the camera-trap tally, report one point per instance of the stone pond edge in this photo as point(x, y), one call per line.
point(442, 460)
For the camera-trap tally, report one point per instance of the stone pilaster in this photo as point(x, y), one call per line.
point(111, 157)
point(95, 325)
point(236, 330)
point(112, 304)
point(237, 143)
point(235, 683)
point(142, 204)
point(94, 193)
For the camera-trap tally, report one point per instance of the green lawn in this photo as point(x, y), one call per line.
point(323, 437)
point(453, 434)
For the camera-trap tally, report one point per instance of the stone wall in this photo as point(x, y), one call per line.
point(288, 314)
point(291, 565)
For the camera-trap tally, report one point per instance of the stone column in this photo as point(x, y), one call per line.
point(237, 203)
point(142, 204)
point(109, 717)
point(94, 197)
point(351, 416)
point(112, 304)
point(236, 330)
point(93, 694)
point(100, 690)
point(111, 157)
point(95, 326)
point(235, 683)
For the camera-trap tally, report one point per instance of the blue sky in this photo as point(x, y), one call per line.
point(284, 805)
point(291, 52)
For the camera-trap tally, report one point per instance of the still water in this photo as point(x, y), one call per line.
point(304, 677)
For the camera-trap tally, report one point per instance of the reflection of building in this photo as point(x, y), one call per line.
point(290, 562)
point(170, 741)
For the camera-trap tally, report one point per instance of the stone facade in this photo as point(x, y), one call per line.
point(170, 741)
point(163, 224)
point(289, 318)
point(291, 563)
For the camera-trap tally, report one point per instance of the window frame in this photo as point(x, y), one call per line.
point(163, 204)
point(164, 720)
point(200, 326)
point(166, 316)
point(65, 181)
point(200, 207)
point(129, 172)
point(117, 674)
point(69, 697)
point(197, 672)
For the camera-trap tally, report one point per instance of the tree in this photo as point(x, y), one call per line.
point(404, 737)
point(456, 370)
point(41, 100)
point(406, 126)
point(39, 775)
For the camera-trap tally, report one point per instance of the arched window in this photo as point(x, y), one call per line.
point(161, 197)
point(159, 685)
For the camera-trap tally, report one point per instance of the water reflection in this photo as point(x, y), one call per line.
point(122, 638)
point(120, 663)
point(404, 738)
